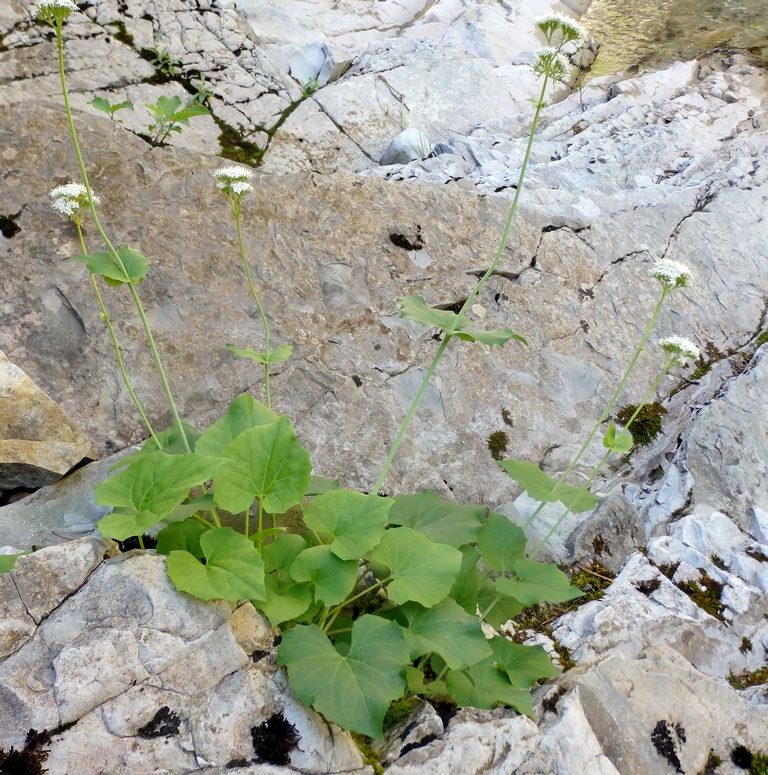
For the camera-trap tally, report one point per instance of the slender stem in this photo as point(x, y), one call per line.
point(203, 520)
point(236, 213)
point(411, 412)
point(490, 608)
point(641, 346)
point(141, 542)
point(478, 287)
point(110, 247)
point(260, 539)
point(113, 336)
point(334, 611)
point(667, 366)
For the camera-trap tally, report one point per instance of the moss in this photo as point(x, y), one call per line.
point(497, 444)
point(745, 680)
point(121, 34)
point(236, 148)
point(762, 338)
point(746, 646)
point(647, 425)
point(398, 711)
point(718, 562)
point(754, 763)
point(507, 418)
point(706, 594)
point(712, 763)
point(756, 554)
point(370, 757)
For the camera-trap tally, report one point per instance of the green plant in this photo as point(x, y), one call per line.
point(165, 65)
point(377, 597)
point(203, 90)
point(105, 106)
point(169, 116)
point(310, 86)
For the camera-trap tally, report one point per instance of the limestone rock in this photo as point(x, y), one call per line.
point(410, 144)
point(38, 442)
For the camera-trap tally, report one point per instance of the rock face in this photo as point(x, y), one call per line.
point(38, 442)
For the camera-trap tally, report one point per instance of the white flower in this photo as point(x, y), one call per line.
point(71, 199)
point(549, 61)
point(569, 29)
point(233, 181)
point(671, 274)
point(680, 349)
point(53, 10)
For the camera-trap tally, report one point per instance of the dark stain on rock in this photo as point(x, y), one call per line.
point(274, 739)
point(401, 241)
point(357, 380)
point(8, 226)
point(29, 760)
point(420, 744)
point(164, 724)
point(666, 745)
point(258, 655)
point(646, 587)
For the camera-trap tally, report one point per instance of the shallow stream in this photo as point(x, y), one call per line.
point(655, 33)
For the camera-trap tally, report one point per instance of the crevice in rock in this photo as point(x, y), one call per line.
point(8, 226)
point(345, 133)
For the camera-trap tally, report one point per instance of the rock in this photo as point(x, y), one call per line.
point(152, 678)
point(410, 144)
point(418, 729)
point(38, 442)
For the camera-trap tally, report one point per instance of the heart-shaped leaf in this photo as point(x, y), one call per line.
point(135, 264)
point(171, 441)
point(102, 264)
point(437, 519)
point(501, 542)
point(333, 579)
point(355, 690)
point(355, 522)
point(182, 536)
point(280, 554)
point(264, 462)
point(524, 665)
point(445, 629)
point(422, 571)
point(244, 412)
point(621, 443)
point(233, 569)
point(318, 485)
point(537, 582)
point(285, 601)
point(414, 308)
point(483, 685)
point(544, 488)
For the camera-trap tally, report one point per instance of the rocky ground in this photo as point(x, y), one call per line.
point(627, 171)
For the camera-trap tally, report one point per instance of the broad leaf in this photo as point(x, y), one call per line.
point(355, 522)
point(544, 488)
point(423, 571)
point(171, 441)
point(333, 578)
point(188, 111)
point(167, 105)
point(498, 609)
point(7, 561)
point(483, 685)
point(135, 264)
point(280, 554)
point(491, 338)
point(122, 523)
point(244, 412)
point(621, 443)
point(467, 585)
point(501, 542)
point(318, 485)
point(152, 486)
point(524, 665)
point(102, 264)
point(414, 308)
point(353, 691)
point(264, 462)
point(285, 601)
point(416, 684)
point(101, 104)
point(445, 629)
point(537, 582)
point(267, 532)
point(185, 510)
point(182, 536)
point(278, 355)
point(437, 519)
point(233, 569)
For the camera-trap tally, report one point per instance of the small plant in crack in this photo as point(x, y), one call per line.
point(310, 86)
point(166, 67)
point(105, 106)
point(169, 116)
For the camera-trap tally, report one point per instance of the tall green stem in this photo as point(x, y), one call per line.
point(667, 366)
point(236, 213)
point(113, 336)
point(478, 287)
point(113, 253)
point(641, 346)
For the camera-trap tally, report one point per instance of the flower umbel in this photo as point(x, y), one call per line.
point(671, 274)
point(679, 349)
point(71, 199)
point(233, 182)
point(568, 28)
point(550, 62)
point(53, 12)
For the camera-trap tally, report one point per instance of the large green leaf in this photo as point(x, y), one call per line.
point(264, 462)
point(491, 338)
point(285, 601)
point(102, 264)
point(414, 308)
point(422, 571)
point(135, 264)
point(186, 510)
point(354, 521)
point(354, 691)
point(171, 442)
point(467, 585)
point(544, 488)
point(244, 412)
point(233, 569)
point(318, 485)
point(524, 665)
point(440, 521)
point(152, 487)
point(280, 553)
point(445, 629)
point(501, 542)
point(537, 582)
point(182, 536)
point(498, 609)
point(483, 685)
point(333, 578)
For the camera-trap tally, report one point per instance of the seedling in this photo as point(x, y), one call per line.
point(168, 117)
point(105, 106)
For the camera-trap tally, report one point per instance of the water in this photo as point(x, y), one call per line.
point(655, 33)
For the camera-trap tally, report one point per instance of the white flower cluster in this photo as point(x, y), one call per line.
point(233, 181)
point(71, 199)
point(680, 349)
point(50, 10)
point(550, 62)
point(569, 29)
point(671, 274)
